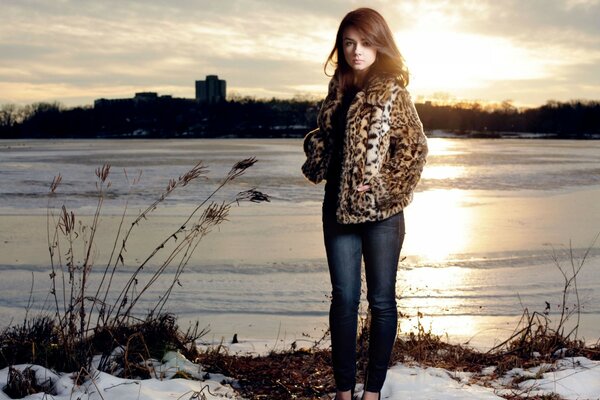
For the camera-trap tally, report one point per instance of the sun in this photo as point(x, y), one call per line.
point(448, 60)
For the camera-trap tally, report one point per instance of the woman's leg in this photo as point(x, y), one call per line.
point(382, 241)
point(343, 247)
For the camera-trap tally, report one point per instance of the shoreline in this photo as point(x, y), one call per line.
point(489, 331)
point(480, 333)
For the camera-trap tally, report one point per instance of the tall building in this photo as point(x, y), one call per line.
point(211, 90)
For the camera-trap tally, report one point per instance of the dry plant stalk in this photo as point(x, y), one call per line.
point(536, 332)
point(74, 306)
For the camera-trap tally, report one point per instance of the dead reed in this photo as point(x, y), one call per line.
point(84, 322)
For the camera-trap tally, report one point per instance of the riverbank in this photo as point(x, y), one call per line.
point(534, 364)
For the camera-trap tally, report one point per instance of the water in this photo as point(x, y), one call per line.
point(490, 223)
point(507, 165)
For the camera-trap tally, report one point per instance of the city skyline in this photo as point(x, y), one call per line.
point(74, 52)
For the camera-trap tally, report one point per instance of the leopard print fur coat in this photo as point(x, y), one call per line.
point(384, 147)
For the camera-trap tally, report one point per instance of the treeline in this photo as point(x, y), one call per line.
point(163, 117)
point(574, 119)
point(247, 117)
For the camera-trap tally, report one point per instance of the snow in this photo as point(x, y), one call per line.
point(571, 378)
point(417, 383)
point(107, 387)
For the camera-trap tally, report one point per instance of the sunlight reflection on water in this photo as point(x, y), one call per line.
point(444, 224)
point(443, 172)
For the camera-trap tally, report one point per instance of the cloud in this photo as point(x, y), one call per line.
point(527, 20)
point(85, 49)
point(153, 44)
point(494, 50)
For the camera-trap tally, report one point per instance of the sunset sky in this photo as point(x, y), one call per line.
point(527, 51)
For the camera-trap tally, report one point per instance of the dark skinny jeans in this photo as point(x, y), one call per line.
point(346, 244)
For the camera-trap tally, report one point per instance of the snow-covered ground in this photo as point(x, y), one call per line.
point(571, 378)
point(104, 386)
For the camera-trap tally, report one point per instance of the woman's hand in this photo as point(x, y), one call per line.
point(363, 188)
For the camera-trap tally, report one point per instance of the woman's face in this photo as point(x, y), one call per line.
point(358, 52)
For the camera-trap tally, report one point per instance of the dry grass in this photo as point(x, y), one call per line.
point(81, 322)
point(307, 374)
point(24, 383)
point(293, 374)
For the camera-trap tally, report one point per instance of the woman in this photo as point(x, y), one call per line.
point(370, 148)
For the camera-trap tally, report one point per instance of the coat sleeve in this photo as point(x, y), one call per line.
point(316, 143)
point(405, 156)
point(314, 148)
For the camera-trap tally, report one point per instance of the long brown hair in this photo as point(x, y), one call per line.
point(371, 24)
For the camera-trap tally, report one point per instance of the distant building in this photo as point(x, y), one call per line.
point(145, 96)
point(99, 103)
point(211, 90)
point(140, 98)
